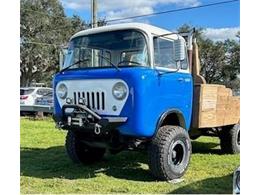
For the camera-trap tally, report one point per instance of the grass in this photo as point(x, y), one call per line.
point(45, 167)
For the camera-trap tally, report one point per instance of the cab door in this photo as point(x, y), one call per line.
point(174, 84)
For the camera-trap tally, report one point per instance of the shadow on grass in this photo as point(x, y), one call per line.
point(53, 162)
point(205, 147)
point(214, 185)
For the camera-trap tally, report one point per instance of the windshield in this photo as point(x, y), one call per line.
point(121, 48)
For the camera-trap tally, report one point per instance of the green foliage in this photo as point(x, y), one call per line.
point(220, 61)
point(46, 168)
point(232, 69)
point(212, 56)
point(44, 29)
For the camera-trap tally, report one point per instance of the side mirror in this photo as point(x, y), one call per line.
point(63, 53)
point(179, 50)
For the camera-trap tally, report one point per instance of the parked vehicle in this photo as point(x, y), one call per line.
point(32, 99)
point(45, 100)
point(26, 96)
point(236, 181)
point(135, 86)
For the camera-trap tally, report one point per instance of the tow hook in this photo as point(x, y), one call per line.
point(97, 129)
point(59, 125)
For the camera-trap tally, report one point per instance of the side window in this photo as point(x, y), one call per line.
point(163, 53)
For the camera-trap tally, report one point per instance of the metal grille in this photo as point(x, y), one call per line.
point(93, 100)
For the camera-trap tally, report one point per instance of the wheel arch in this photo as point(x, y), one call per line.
point(171, 117)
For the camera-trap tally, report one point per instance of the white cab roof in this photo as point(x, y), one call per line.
point(149, 29)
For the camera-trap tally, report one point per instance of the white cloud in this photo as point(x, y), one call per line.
point(221, 34)
point(113, 9)
point(129, 12)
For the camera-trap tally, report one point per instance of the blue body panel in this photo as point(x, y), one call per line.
point(150, 95)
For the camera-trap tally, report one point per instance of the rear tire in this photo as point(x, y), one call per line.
point(169, 153)
point(230, 139)
point(79, 152)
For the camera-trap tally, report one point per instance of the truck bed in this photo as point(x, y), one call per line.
point(214, 106)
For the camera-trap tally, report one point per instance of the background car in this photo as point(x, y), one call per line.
point(35, 100)
point(29, 95)
point(45, 100)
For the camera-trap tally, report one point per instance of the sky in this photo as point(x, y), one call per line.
point(219, 22)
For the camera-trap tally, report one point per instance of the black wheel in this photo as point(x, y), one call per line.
point(169, 153)
point(79, 152)
point(230, 139)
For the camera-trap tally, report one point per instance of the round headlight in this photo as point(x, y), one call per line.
point(62, 91)
point(119, 91)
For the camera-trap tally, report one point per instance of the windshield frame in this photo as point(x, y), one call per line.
point(146, 41)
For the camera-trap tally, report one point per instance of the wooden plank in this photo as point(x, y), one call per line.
point(232, 113)
point(213, 106)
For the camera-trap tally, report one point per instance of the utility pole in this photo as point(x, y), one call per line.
point(94, 13)
point(94, 25)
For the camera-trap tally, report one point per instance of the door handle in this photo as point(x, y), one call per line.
point(184, 79)
point(180, 79)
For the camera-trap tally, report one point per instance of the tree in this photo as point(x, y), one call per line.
point(232, 70)
point(39, 42)
point(44, 28)
point(220, 61)
point(213, 61)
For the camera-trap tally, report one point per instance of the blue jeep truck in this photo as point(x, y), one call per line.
point(127, 87)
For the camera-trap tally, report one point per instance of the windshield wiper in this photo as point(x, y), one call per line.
point(128, 61)
point(77, 62)
point(108, 60)
point(87, 59)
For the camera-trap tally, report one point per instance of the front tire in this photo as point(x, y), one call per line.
point(230, 139)
point(79, 152)
point(169, 153)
